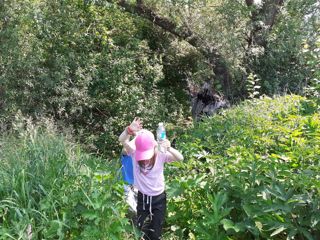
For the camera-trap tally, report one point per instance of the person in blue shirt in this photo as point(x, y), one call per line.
point(127, 175)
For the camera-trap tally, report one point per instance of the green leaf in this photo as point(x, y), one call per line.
point(91, 215)
point(306, 233)
point(277, 231)
point(228, 224)
point(249, 210)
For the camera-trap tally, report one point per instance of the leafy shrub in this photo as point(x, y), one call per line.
point(311, 51)
point(251, 172)
point(282, 67)
point(50, 189)
point(85, 65)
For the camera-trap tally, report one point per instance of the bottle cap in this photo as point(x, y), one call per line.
point(160, 123)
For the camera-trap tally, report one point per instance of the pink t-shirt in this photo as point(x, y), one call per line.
point(150, 181)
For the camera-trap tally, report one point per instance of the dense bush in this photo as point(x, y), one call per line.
point(311, 49)
point(50, 189)
point(92, 66)
point(282, 66)
point(251, 172)
point(86, 65)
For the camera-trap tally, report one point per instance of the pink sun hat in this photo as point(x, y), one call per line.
point(145, 144)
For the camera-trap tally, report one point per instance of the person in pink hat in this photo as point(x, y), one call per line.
point(148, 176)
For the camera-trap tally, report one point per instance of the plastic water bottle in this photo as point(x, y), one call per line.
point(161, 136)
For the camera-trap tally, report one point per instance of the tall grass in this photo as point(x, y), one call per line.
point(50, 189)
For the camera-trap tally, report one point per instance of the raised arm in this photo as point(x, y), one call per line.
point(174, 155)
point(130, 130)
point(124, 139)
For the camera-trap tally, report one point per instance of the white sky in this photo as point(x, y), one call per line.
point(258, 2)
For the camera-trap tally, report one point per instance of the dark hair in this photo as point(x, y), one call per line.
point(147, 166)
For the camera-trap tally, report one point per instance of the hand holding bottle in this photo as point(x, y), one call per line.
point(161, 137)
point(165, 145)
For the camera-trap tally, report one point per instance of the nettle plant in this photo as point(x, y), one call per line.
point(250, 172)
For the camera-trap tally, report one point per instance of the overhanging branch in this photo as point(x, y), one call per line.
point(166, 24)
point(216, 61)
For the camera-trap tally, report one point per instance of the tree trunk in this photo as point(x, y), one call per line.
point(263, 18)
point(266, 15)
point(206, 102)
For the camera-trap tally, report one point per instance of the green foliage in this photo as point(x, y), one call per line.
point(50, 189)
point(251, 172)
point(220, 25)
point(92, 66)
point(311, 49)
point(253, 86)
point(281, 65)
point(85, 65)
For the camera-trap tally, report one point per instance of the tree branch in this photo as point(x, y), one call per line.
point(166, 24)
point(217, 62)
point(267, 14)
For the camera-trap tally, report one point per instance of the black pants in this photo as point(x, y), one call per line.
point(150, 215)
